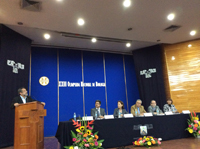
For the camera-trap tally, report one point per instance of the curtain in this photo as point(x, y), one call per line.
point(149, 72)
point(14, 73)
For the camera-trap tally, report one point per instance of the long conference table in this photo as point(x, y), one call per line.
point(123, 131)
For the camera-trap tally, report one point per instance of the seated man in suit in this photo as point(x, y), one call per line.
point(100, 111)
point(137, 107)
point(153, 108)
point(22, 98)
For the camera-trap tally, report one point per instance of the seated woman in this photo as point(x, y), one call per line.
point(120, 111)
point(169, 107)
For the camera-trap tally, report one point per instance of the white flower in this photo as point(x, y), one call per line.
point(160, 139)
point(92, 136)
point(75, 147)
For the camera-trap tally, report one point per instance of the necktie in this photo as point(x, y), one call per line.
point(98, 114)
point(154, 109)
point(138, 110)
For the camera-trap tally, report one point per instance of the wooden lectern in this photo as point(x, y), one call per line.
point(29, 126)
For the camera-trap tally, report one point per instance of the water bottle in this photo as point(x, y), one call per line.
point(157, 111)
point(173, 111)
point(74, 116)
point(119, 115)
point(135, 113)
point(95, 115)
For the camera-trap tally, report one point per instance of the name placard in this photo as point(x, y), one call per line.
point(186, 112)
point(148, 114)
point(108, 116)
point(169, 113)
point(87, 118)
point(128, 115)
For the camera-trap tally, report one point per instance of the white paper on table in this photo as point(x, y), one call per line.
point(148, 114)
point(140, 116)
point(108, 116)
point(161, 114)
point(128, 115)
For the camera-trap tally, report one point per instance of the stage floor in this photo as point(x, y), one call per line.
point(188, 143)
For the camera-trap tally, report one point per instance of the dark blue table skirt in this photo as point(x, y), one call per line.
point(123, 131)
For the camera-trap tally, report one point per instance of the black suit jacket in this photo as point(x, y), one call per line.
point(18, 99)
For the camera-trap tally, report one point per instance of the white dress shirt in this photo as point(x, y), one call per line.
point(23, 99)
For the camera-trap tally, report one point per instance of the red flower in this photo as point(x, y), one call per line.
point(194, 114)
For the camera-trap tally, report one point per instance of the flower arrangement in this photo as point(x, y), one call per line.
point(194, 125)
point(84, 139)
point(147, 141)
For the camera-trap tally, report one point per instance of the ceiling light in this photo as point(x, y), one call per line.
point(170, 16)
point(128, 45)
point(192, 33)
point(59, 0)
point(173, 58)
point(127, 3)
point(81, 22)
point(94, 39)
point(189, 45)
point(47, 36)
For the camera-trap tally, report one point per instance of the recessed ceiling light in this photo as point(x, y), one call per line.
point(128, 45)
point(59, 0)
point(94, 39)
point(171, 17)
point(192, 33)
point(173, 58)
point(189, 45)
point(127, 3)
point(47, 36)
point(81, 22)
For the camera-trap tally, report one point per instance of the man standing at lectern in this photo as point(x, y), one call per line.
point(22, 98)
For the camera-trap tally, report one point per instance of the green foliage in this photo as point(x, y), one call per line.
point(73, 135)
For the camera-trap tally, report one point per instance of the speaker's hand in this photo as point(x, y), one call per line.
point(16, 104)
point(43, 103)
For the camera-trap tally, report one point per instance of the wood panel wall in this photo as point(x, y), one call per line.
point(182, 74)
